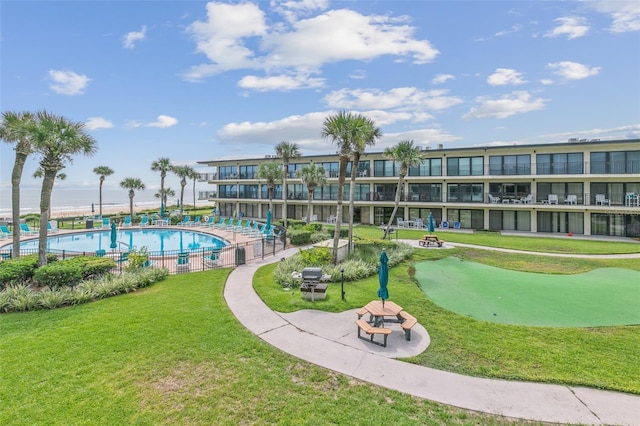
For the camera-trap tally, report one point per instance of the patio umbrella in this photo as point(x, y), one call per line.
point(268, 227)
point(92, 208)
point(161, 209)
point(114, 236)
point(383, 277)
point(430, 224)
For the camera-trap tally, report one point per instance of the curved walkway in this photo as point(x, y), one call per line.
point(338, 349)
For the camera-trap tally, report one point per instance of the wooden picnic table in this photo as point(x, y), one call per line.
point(378, 312)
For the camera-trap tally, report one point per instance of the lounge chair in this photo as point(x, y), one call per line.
point(571, 199)
point(127, 221)
point(185, 222)
point(182, 262)
point(528, 199)
point(194, 222)
point(552, 199)
point(251, 230)
point(144, 221)
point(5, 230)
point(601, 200)
point(101, 253)
point(232, 223)
point(220, 223)
point(105, 223)
point(211, 259)
point(51, 229)
point(245, 227)
point(314, 218)
point(208, 221)
point(493, 200)
point(24, 229)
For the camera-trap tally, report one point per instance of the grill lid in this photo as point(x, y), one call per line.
point(313, 274)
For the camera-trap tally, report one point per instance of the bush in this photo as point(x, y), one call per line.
point(21, 269)
point(59, 274)
point(138, 258)
point(300, 238)
point(316, 256)
point(318, 237)
point(92, 266)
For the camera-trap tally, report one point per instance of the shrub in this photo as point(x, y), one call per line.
point(138, 258)
point(51, 299)
point(300, 237)
point(317, 237)
point(92, 266)
point(316, 256)
point(22, 298)
point(21, 269)
point(313, 227)
point(59, 274)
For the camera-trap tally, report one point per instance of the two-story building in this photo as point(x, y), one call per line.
point(588, 187)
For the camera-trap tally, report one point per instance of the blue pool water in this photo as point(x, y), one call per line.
point(154, 239)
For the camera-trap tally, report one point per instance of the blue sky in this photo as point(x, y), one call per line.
point(196, 81)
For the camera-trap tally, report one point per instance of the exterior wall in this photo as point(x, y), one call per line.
point(468, 191)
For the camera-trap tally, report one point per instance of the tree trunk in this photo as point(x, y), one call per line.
point(131, 203)
point(271, 191)
point(395, 207)
point(310, 205)
point(182, 198)
point(101, 182)
point(16, 176)
point(284, 194)
point(45, 206)
point(341, 178)
point(352, 192)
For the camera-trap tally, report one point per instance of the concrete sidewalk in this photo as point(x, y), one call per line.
point(336, 347)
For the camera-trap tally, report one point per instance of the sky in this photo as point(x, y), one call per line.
point(195, 81)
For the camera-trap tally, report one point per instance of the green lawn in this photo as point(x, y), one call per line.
point(599, 357)
point(173, 353)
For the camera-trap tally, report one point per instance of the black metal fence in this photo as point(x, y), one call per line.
point(179, 261)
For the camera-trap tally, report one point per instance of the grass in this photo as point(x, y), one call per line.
point(599, 357)
point(173, 353)
point(533, 243)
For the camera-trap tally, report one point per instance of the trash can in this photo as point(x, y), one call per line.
point(89, 224)
point(240, 256)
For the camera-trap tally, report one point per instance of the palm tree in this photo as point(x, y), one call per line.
point(14, 129)
point(366, 135)
point(183, 172)
point(194, 176)
point(342, 129)
point(163, 194)
point(57, 140)
point(162, 165)
point(312, 175)
point(132, 184)
point(287, 151)
point(408, 155)
point(271, 172)
point(103, 172)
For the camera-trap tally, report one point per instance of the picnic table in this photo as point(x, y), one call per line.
point(428, 240)
point(378, 312)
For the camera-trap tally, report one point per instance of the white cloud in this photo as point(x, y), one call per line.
point(68, 82)
point(293, 10)
point(400, 98)
point(504, 76)
point(238, 37)
point(130, 39)
point(513, 29)
point(572, 70)
point(279, 82)
point(506, 106)
point(625, 15)
point(442, 78)
point(572, 26)
point(163, 121)
point(358, 74)
point(95, 123)
point(546, 81)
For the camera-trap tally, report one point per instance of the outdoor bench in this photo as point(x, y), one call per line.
point(408, 322)
point(427, 240)
point(372, 331)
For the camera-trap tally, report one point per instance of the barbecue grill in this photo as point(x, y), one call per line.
point(310, 279)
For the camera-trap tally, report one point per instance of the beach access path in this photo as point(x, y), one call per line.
point(335, 346)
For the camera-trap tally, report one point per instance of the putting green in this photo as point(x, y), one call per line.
point(602, 297)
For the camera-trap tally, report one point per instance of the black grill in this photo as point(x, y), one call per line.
point(311, 276)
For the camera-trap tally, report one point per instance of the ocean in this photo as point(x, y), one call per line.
point(67, 200)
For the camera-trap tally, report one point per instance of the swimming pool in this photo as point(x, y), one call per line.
point(155, 240)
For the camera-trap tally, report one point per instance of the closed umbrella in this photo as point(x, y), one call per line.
point(268, 227)
point(383, 277)
point(431, 225)
point(92, 208)
point(114, 236)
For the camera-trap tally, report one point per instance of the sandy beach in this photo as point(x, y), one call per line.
point(111, 210)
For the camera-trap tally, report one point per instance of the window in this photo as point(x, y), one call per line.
point(248, 172)
point(465, 166)
point(277, 192)
point(560, 164)
point(248, 191)
point(619, 162)
point(472, 219)
point(227, 191)
point(510, 164)
point(429, 167)
point(512, 220)
point(332, 169)
point(297, 191)
point(465, 192)
point(292, 169)
point(385, 168)
point(425, 192)
point(227, 172)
